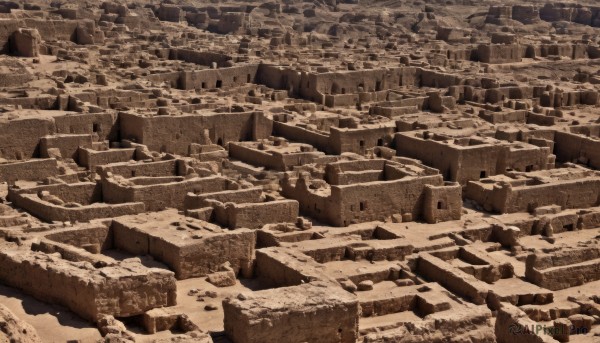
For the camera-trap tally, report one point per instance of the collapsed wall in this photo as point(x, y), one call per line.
point(123, 290)
point(564, 268)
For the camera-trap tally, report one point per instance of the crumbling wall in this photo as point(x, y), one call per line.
point(57, 213)
point(32, 170)
point(578, 194)
point(358, 140)
point(53, 30)
point(7, 28)
point(523, 158)
point(442, 203)
point(255, 215)
point(80, 237)
point(564, 268)
point(218, 78)
point(175, 134)
point(446, 160)
point(101, 124)
point(90, 158)
point(298, 134)
point(499, 53)
point(84, 193)
point(113, 290)
point(168, 12)
point(377, 200)
point(147, 169)
point(514, 325)
point(256, 157)
point(319, 206)
point(238, 196)
point(571, 147)
point(277, 77)
point(205, 58)
point(308, 313)
point(189, 258)
point(159, 196)
point(19, 138)
point(67, 145)
point(452, 278)
point(357, 81)
point(504, 198)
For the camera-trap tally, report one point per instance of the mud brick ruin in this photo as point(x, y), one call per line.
point(331, 171)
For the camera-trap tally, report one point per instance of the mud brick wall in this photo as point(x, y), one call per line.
point(377, 200)
point(175, 134)
point(50, 212)
point(91, 158)
point(195, 258)
point(68, 145)
point(218, 78)
point(150, 169)
point(298, 134)
point(571, 147)
point(563, 269)
point(88, 292)
point(256, 157)
point(19, 138)
point(308, 313)
point(32, 170)
point(459, 282)
point(195, 201)
point(256, 215)
point(102, 124)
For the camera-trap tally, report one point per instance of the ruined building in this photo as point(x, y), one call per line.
point(328, 172)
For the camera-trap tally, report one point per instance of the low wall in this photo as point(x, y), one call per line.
point(191, 258)
point(84, 193)
point(157, 197)
point(255, 215)
point(307, 313)
point(49, 212)
point(238, 196)
point(67, 144)
point(256, 157)
point(117, 291)
point(149, 169)
point(90, 158)
point(31, 170)
point(563, 269)
point(298, 134)
point(457, 281)
point(576, 148)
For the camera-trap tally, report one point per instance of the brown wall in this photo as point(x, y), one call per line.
point(31, 170)
point(157, 197)
point(175, 134)
point(97, 294)
point(576, 148)
point(90, 158)
point(52, 213)
point(255, 215)
point(19, 138)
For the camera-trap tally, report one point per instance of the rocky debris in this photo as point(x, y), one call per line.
point(366, 285)
point(114, 330)
point(210, 307)
point(162, 319)
point(12, 329)
point(349, 286)
point(26, 42)
point(225, 277)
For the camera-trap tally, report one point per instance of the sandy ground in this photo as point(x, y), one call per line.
point(53, 323)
